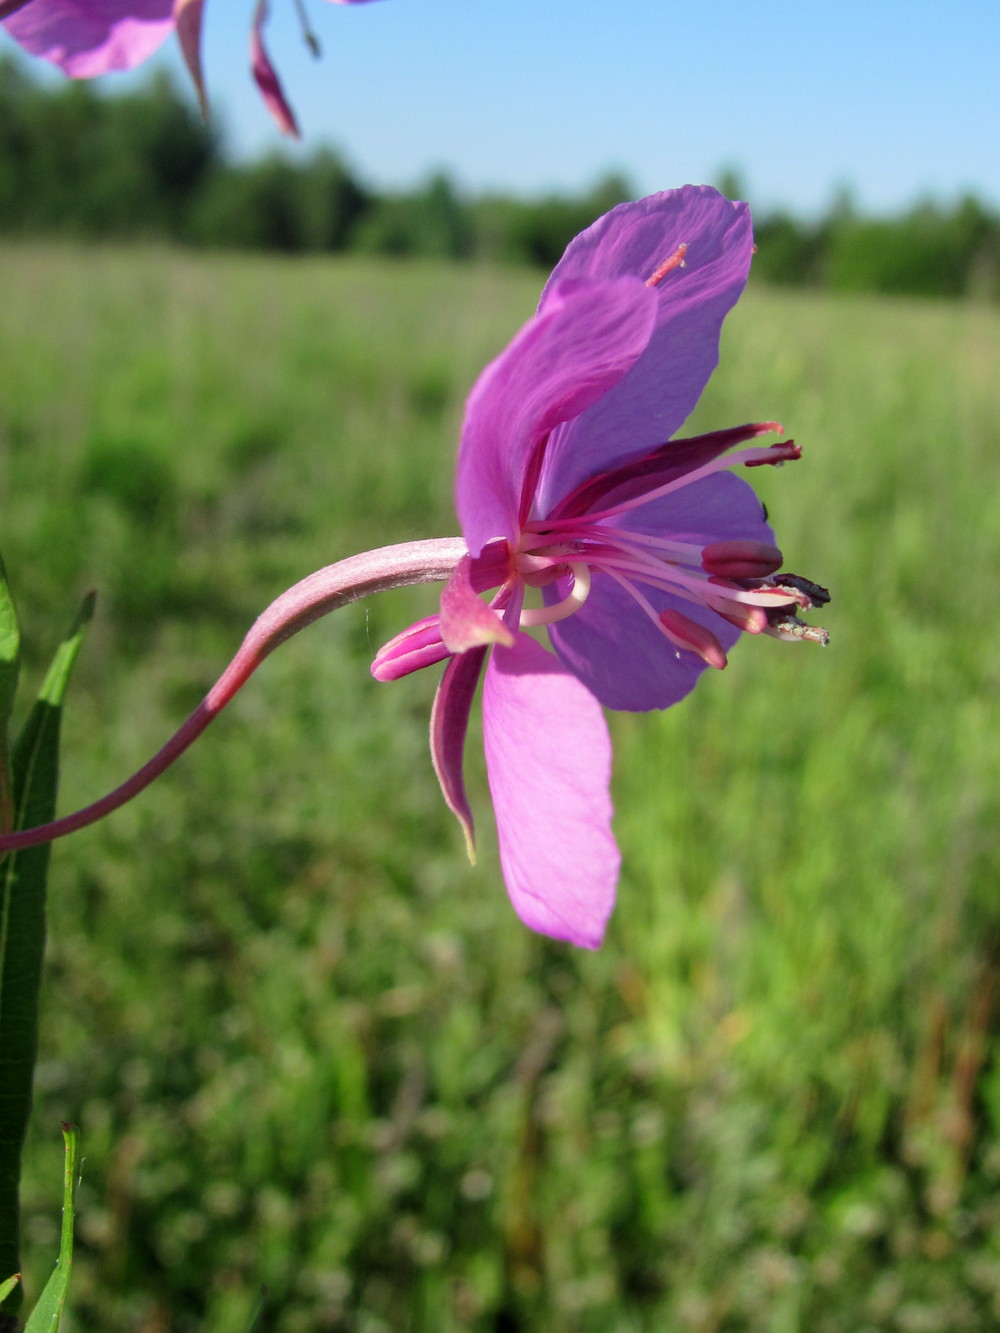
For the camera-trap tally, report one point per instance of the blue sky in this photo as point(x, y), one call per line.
point(894, 100)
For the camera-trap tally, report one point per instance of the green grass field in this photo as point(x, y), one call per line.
point(310, 1049)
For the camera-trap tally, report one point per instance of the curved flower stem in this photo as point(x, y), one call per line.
point(347, 581)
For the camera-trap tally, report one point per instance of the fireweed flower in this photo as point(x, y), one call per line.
point(86, 38)
point(645, 556)
point(650, 558)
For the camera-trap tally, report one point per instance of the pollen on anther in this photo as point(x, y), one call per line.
point(676, 260)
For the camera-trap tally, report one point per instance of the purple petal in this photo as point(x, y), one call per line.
point(86, 38)
point(722, 507)
point(612, 645)
point(620, 655)
point(659, 392)
point(449, 724)
point(548, 756)
point(582, 342)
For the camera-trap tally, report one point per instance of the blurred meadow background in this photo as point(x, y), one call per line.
point(322, 1072)
point(309, 1047)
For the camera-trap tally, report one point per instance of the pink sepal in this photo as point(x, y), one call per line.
point(661, 465)
point(266, 78)
point(466, 621)
point(188, 16)
point(418, 646)
point(449, 724)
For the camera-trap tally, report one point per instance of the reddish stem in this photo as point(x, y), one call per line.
point(326, 590)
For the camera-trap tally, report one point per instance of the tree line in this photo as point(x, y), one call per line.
point(77, 163)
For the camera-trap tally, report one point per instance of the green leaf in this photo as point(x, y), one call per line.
point(10, 662)
point(47, 1313)
point(35, 773)
point(36, 751)
point(257, 1314)
point(7, 1287)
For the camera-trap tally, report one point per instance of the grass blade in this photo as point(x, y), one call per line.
point(257, 1315)
point(35, 773)
point(48, 1312)
point(10, 662)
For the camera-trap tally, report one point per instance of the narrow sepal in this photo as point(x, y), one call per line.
point(266, 78)
point(188, 15)
point(449, 726)
point(661, 465)
point(418, 646)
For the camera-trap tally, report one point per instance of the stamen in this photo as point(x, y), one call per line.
point(682, 632)
point(749, 619)
point(676, 260)
point(548, 615)
point(753, 593)
point(308, 36)
point(666, 547)
point(687, 633)
point(802, 592)
point(782, 451)
point(791, 629)
point(741, 559)
point(673, 577)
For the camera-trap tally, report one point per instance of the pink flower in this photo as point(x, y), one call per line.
point(650, 557)
point(86, 38)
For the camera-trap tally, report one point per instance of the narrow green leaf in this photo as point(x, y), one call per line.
point(36, 750)
point(47, 1313)
point(257, 1314)
point(10, 662)
point(7, 1287)
point(35, 772)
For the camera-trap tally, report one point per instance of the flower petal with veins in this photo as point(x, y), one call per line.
point(86, 38)
point(548, 757)
point(651, 403)
point(582, 342)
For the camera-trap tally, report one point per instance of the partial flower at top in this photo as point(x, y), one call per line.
point(86, 38)
point(650, 557)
